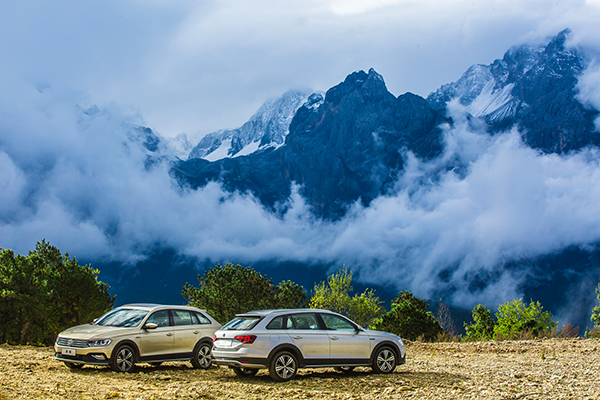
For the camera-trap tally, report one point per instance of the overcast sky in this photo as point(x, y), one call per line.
point(79, 180)
point(195, 66)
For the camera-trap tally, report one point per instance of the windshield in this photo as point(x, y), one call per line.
point(122, 317)
point(242, 323)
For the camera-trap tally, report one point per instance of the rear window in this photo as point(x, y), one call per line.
point(242, 323)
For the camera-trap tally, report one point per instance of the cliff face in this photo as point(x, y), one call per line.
point(347, 149)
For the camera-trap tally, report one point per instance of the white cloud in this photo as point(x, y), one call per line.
point(192, 66)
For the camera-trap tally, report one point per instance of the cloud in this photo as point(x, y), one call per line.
point(79, 179)
point(199, 66)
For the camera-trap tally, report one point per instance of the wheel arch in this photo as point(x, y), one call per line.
point(287, 347)
point(386, 343)
point(132, 344)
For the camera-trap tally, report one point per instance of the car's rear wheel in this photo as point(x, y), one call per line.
point(73, 365)
point(384, 361)
point(244, 372)
point(123, 359)
point(344, 369)
point(284, 366)
point(202, 356)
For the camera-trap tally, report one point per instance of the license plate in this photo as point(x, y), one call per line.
point(223, 343)
point(69, 352)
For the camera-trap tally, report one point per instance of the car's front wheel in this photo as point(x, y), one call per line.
point(244, 372)
point(202, 356)
point(284, 366)
point(123, 359)
point(384, 361)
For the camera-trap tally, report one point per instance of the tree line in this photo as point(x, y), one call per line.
point(46, 292)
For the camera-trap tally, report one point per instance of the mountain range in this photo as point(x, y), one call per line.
point(481, 190)
point(349, 145)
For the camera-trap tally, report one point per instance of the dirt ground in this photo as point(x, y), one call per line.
point(540, 369)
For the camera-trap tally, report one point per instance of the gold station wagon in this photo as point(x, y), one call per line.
point(140, 333)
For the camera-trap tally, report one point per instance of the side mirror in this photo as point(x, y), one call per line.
point(150, 325)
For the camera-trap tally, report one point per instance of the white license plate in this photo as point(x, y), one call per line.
point(223, 343)
point(69, 352)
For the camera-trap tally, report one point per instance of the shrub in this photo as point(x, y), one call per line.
point(409, 319)
point(334, 295)
point(225, 291)
point(514, 318)
point(482, 327)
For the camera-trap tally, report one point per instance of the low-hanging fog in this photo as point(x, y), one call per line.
point(78, 179)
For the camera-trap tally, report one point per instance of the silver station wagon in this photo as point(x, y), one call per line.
point(140, 333)
point(285, 340)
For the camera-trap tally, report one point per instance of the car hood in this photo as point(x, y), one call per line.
point(388, 335)
point(89, 331)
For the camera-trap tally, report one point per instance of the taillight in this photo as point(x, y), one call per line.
point(215, 338)
point(246, 338)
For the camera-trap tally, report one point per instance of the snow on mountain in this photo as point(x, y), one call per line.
point(268, 127)
point(182, 144)
point(488, 91)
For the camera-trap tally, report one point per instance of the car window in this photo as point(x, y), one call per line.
point(278, 323)
point(122, 317)
point(160, 318)
point(304, 321)
point(333, 322)
point(182, 317)
point(242, 323)
point(201, 318)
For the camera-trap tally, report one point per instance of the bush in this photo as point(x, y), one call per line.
point(225, 291)
point(409, 319)
point(596, 310)
point(514, 318)
point(482, 327)
point(334, 295)
point(46, 292)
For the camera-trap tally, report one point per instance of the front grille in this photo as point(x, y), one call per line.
point(72, 342)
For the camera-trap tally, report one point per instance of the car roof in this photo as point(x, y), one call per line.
point(285, 311)
point(153, 306)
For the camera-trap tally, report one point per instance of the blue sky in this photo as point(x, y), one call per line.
point(194, 66)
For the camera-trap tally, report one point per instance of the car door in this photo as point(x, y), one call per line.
point(308, 336)
point(345, 342)
point(186, 331)
point(159, 341)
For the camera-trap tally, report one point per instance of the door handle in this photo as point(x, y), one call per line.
point(297, 337)
point(170, 334)
point(334, 338)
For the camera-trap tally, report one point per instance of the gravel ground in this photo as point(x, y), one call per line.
point(539, 369)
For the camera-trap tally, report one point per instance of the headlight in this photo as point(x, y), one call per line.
point(99, 342)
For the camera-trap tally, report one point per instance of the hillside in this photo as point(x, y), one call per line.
point(541, 369)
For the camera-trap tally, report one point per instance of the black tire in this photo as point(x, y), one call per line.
point(384, 361)
point(244, 372)
point(284, 366)
point(123, 359)
point(344, 369)
point(73, 365)
point(202, 356)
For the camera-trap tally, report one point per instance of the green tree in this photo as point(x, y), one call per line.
point(595, 318)
point(482, 327)
point(227, 290)
point(409, 319)
point(334, 295)
point(514, 318)
point(46, 292)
